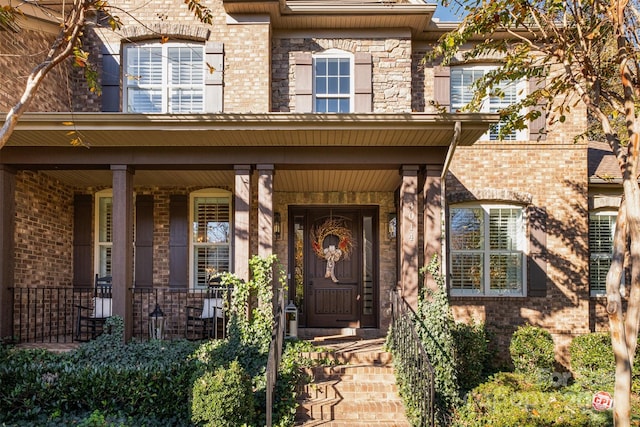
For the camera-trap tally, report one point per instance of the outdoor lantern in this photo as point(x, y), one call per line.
point(291, 319)
point(156, 324)
point(277, 225)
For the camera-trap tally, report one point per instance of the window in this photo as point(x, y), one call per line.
point(104, 235)
point(210, 235)
point(164, 78)
point(487, 250)
point(507, 93)
point(601, 228)
point(332, 82)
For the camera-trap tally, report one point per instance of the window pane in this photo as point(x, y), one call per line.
point(210, 260)
point(503, 229)
point(106, 217)
point(367, 268)
point(505, 272)
point(186, 101)
point(332, 85)
point(332, 66)
point(321, 66)
point(344, 105)
point(598, 270)
point(144, 100)
point(466, 271)
point(104, 263)
point(321, 85)
point(344, 67)
point(144, 65)
point(211, 220)
point(345, 85)
point(332, 105)
point(466, 228)
point(601, 230)
point(186, 65)
point(321, 105)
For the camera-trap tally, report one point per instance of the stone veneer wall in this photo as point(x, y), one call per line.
point(246, 50)
point(387, 254)
point(391, 68)
point(21, 52)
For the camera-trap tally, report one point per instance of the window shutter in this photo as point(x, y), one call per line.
point(178, 241)
point(363, 102)
point(441, 86)
point(110, 77)
point(304, 83)
point(537, 263)
point(536, 127)
point(82, 243)
point(144, 241)
point(214, 75)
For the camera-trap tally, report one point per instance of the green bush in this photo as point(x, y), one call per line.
point(592, 360)
point(511, 400)
point(532, 352)
point(223, 398)
point(472, 354)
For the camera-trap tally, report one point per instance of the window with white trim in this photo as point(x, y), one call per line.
point(104, 232)
point(333, 82)
point(505, 94)
point(210, 235)
point(164, 78)
point(602, 226)
point(487, 250)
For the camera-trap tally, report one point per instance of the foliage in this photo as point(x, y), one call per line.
point(223, 398)
point(532, 353)
point(592, 360)
point(509, 399)
point(472, 354)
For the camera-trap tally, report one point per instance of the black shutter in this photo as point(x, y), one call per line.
point(537, 263)
point(82, 243)
point(144, 241)
point(110, 78)
point(178, 241)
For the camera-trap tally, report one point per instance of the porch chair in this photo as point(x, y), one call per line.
point(208, 320)
point(90, 320)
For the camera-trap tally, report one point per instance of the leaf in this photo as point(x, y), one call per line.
point(211, 68)
point(67, 123)
point(164, 39)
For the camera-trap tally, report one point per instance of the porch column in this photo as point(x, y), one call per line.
point(432, 219)
point(265, 210)
point(7, 233)
point(408, 234)
point(122, 250)
point(241, 248)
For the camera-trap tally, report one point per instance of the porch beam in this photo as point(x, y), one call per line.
point(241, 246)
point(408, 235)
point(265, 210)
point(7, 233)
point(122, 251)
point(432, 218)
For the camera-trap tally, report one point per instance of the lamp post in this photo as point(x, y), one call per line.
point(156, 324)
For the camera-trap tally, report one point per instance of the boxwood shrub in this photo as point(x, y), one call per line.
point(532, 353)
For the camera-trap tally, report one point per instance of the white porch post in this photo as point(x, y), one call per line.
point(408, 234)
point(122, 251)
point(241, 247)
point(265, 210)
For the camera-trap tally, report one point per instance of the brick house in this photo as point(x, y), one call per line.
point(256, 135)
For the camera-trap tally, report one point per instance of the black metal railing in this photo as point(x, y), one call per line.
point(51, 315)
point(275, 351)
point(413, 369)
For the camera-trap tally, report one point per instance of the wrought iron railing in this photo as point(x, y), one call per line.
point(275, 352)
point(50, 315)
point(413, 369)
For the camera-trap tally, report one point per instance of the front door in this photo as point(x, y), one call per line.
point(339, 284)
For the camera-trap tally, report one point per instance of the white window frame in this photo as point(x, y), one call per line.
point(165, 86)
point(487, 106)
point(194, 244)
point(485, 251)
point(335, 54)
point(100, 265)
point(599, 292)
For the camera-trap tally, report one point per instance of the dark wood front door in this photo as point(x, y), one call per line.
point(339, 291)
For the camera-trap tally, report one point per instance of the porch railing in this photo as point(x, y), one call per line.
point(50, 315)
point(412, 362)
point(275, 352)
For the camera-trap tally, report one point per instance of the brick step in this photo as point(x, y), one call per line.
point(357, 373)
point(355, 423)
point(377, 358)
point(343, 410)
point(348, 390)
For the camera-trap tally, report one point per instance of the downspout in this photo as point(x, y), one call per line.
point(457, 130)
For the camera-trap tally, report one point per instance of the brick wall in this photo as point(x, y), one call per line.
point(391, 63)
point(21, 52)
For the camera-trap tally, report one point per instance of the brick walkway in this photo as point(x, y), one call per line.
point(358, 389)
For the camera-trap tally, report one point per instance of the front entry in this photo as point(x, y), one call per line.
point(336, 267)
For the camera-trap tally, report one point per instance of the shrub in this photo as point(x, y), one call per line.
point(223, 398)
point(592, 360)
point(532, 352)
point(472, 354)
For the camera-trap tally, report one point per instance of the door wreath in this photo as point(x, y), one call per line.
point(331, 253)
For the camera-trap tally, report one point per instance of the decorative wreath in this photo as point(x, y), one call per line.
point(332, 227)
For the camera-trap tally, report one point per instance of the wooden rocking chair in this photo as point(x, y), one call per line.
point(90, 320)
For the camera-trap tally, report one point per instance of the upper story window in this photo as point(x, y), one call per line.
point(164, 78)
point(505, 94)
point(333, 82)
point(487, 250)
point(602, 226)
point(210, 235)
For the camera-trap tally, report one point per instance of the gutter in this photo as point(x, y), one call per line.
point(457, 131)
